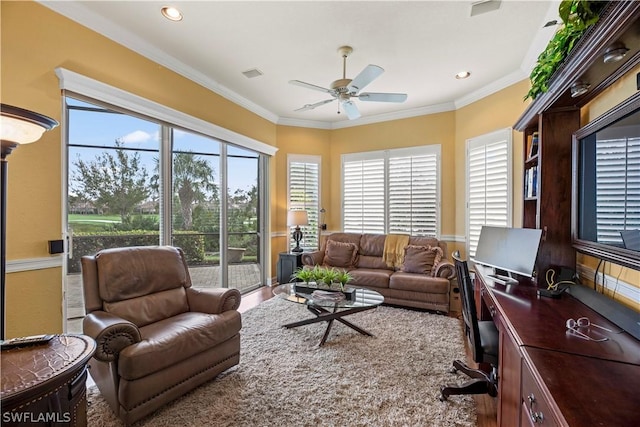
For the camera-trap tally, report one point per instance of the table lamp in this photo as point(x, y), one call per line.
point(297, 218)
point(17, 126)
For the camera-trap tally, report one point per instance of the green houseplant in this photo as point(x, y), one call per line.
point(344, 277)
point(304, 274)
point(577, 16)
point(329, 276)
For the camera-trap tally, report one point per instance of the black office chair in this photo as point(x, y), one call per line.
point(483, 337)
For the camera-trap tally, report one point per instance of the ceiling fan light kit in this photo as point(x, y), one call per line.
point(344, 89)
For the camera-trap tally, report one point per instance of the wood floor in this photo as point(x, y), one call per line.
point(486, 406)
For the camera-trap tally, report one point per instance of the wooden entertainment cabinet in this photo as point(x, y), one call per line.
point(555, 116)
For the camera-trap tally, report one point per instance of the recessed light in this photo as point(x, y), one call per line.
point(171, 13)
point(463, 75)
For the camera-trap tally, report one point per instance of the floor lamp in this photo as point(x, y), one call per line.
point(17, 126)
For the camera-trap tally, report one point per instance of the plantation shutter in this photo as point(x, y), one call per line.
point(413, 191)
point(488, 184)
point(618, 188)
point(363, 196)
point(393, 191)
point(304, 194)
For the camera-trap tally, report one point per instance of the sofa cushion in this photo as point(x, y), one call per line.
point(177, 338)
point(371, 278)
point(421, 259)
point(339, 254)
point(412, 282)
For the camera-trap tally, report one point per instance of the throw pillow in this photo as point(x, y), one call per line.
point(340, 254)
point(421, 259)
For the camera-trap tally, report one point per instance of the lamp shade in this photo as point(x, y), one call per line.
point(297, 218)
point(20, 126)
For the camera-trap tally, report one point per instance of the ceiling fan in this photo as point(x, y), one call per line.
point(344, 89)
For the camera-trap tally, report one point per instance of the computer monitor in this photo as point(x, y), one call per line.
point(512, 250)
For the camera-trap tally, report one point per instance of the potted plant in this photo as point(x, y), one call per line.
point(304, 275)
point(318, 274)
point(343, 278)
point(329, 276)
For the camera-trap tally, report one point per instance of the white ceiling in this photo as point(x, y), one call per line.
point(420, 44)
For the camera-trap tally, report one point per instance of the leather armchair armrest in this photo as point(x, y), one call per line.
point(446, 269)
point(312, 258)
point(213, 301)
point(112, 334)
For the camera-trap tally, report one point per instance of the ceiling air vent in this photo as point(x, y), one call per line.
point(484, 6)
point(254, 72)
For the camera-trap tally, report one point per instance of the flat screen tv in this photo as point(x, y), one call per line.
point(606, 186)
point(509, 251)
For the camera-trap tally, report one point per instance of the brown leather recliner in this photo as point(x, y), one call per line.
point(157, 337)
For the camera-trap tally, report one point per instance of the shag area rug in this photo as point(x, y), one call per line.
point(285, 379)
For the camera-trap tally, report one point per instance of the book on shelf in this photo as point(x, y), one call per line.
point(531, 182)
point(533, 148)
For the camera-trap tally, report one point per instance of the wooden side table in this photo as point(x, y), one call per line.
point(288, 263)
point(46, 384)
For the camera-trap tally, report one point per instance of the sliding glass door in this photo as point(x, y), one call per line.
point(135, 181)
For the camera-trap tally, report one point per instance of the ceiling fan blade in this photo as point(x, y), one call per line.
point(383, 97)
point(351, 109)
point(310, 86)
point(366, 76)
point(312, 106)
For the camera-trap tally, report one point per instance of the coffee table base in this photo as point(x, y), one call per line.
point(324, 315)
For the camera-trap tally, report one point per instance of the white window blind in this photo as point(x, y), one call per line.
point(488, 184)
point(392, 191)
point(413, 195)
point(304, 194)
point(618, 187)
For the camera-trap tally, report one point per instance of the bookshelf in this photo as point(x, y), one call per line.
point(555, 116)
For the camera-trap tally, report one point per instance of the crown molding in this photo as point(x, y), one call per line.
point(396, 115)
point(490, 89)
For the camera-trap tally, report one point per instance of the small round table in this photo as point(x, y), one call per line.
point(46, 384)
point(328, 310)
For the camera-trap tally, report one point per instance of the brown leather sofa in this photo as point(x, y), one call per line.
point(157, 337)
point(416, 283)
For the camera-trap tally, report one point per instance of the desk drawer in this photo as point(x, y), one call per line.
point(535, 408)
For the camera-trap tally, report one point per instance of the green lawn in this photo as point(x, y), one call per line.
point(79, 218)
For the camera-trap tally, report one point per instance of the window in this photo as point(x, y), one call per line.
point(304, 194)
point(488, 180)
point(617, 187)
point(392, 191)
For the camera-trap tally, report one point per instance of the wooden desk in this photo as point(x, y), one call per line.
point(45, 384)
point(550, 376)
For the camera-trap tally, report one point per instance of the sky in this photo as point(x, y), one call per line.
point(99, 129)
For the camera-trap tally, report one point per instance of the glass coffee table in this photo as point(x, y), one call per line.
point(329, 310)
